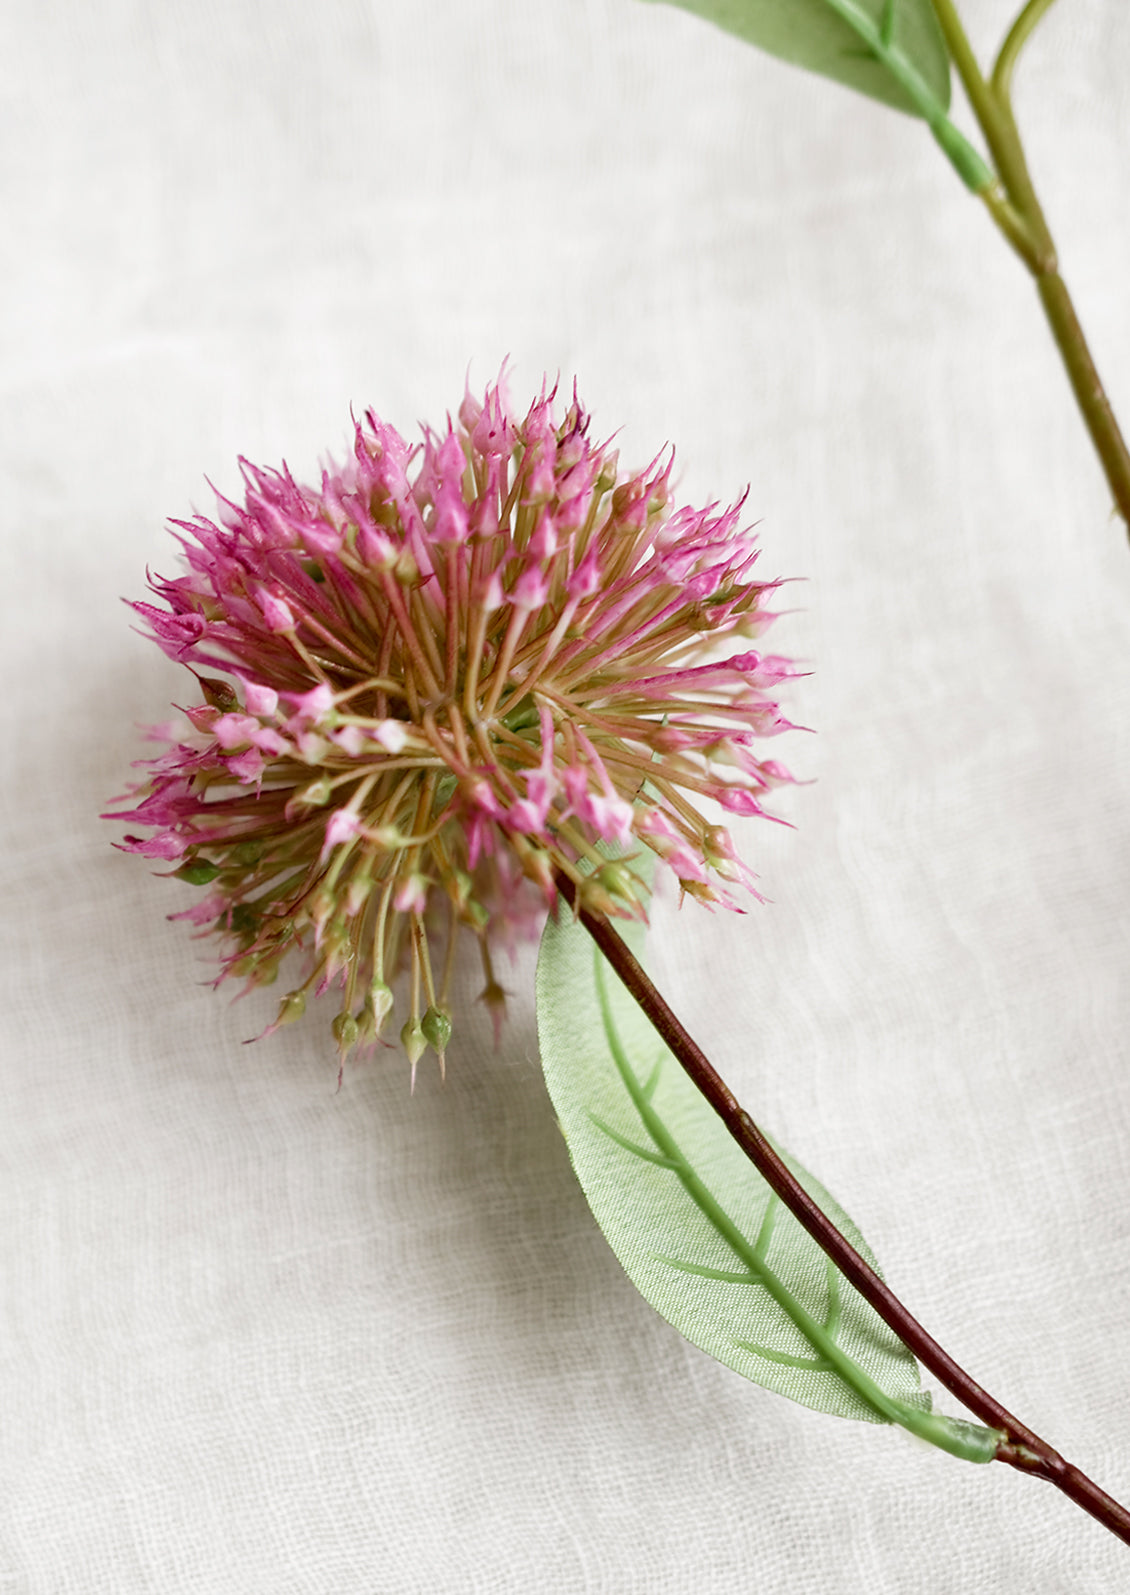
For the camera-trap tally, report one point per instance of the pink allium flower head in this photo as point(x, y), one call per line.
point(445, 675)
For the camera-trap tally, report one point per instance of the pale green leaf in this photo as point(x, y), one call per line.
point(891, 50)
point(695, 1226)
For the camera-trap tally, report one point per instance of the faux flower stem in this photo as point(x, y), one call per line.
point(1014, 42)
point(1019, 1446)
point(1013, 205)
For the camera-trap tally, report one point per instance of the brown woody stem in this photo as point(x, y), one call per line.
point(1020, 1448)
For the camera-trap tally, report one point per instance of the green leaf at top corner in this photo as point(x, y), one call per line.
point(891, 50)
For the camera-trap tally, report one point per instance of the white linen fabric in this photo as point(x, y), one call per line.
point(261, 1335)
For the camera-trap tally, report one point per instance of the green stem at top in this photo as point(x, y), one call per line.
point(1014, 42)
point(1014, 206)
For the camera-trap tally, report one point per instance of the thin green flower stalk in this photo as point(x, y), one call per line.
point(900, 53)
point(1012, 202)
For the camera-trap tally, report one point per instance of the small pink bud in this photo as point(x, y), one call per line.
point(392, 735)
point(313, 706)
point(276, 612)
point(493, 596)
point(350, 739)
point(311, 747)
point(260, 700)
point(543, 544)
point(165, 844)
point(411, 895)
point(342, 826)
point(268, 740)
point(531, 589)
point(246, 767)
point(585, 580)
point(233, 730)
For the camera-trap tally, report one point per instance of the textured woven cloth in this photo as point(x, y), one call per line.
point(259, 1335)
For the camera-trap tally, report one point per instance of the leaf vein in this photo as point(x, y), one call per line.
point(835, 1300)
point(813, 1364)
point(630, 1146)
point(705, 1272)
point(841, 1365)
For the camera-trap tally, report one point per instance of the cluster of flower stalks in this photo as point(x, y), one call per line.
point(446, 674)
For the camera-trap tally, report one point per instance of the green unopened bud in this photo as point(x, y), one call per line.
point(610, 890)
point(523, 716)
point(314, 795)
point(436, 1026)
point(619, 881)
point(322, 905)
point(197, 872)
point(537, 865)
point(698, 618)
point(345, 1031)
point(358, 892)
point(459, 888)
point(313, 750)
point(406, 570)
point(445, 789)
point(718, 852)
point(609, 471)
point(292, 1007)
point(247, 852)
point(244, 920)
point(474, 915)
point(414, 1041)
point(380, 1002)
point(337, 943)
